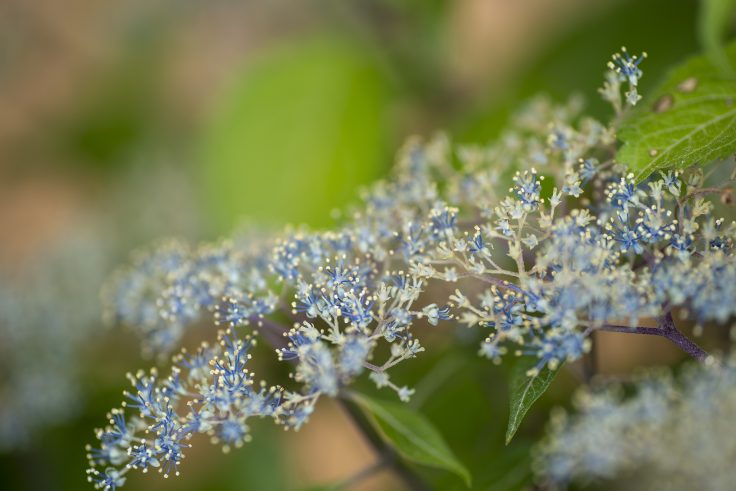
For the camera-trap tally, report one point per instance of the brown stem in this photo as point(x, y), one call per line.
point(667, 329)
point(683, 342)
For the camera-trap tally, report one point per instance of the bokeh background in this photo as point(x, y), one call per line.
point(125, 121)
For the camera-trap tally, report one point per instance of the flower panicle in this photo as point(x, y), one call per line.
point(573, 246)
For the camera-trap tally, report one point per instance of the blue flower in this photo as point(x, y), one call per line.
point(109, 480)
point(627, 66)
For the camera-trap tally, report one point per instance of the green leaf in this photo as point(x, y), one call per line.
point(690, 118)
point(299, 130)
point(525, 390)
point(713, 23)
point(412, 434)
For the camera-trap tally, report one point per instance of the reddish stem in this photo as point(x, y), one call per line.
point(667, 329)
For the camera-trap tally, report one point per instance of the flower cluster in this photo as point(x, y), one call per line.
point(674, 433)
point(623, 68)
point(210, 391)
point(49, 316)
point(574, 246)
point(598, 250)
point(344, 291)
point(167, 289)
point(48, 312)
point(43, 326)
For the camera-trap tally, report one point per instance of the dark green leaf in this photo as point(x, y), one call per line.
point(412, 434)
point(689, 119)
point(525, 390)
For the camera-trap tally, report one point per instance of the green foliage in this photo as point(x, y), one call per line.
point(117, 116)
point(412, 434)
point(558, 70)
point(465, 397)
point(689, 119)
point(713, 23)
point(525, 390)
point(298, 132)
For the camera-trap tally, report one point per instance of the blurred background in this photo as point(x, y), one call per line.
point(122, 122)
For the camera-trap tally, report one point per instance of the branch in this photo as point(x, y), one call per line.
point(654, 331)
point(682, 341)
point(666, 328)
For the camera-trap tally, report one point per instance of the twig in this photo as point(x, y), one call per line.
point(666, 328)
point(677, 337)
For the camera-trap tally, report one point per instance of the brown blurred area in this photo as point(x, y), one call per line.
point(330, 449)
point(54, 55)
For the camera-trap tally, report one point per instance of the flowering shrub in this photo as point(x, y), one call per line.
point(578, 244)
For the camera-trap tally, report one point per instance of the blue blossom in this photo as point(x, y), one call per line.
point(560, 347)
point(443, 220)
point(109, 480)
point(626, 67)
point(477, 245)
point(528, 188)
point(672, 183)
point(143, 457)
point(588, 169)
point(233, 432)
point(118, 431)
point(434, 314)
point(354, 353)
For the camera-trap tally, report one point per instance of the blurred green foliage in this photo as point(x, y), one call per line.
point(577, 62)
point(115, 119)
point(300, 129)
point(412, 435)
point(715, 21)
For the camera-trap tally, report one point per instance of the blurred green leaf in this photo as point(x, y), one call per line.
point(690, 118)
point(301, 128)
point(525, 390)
point(119, 113)
point(576, 61)
point(471, 414)
point(412, 434)
point(713, 23)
